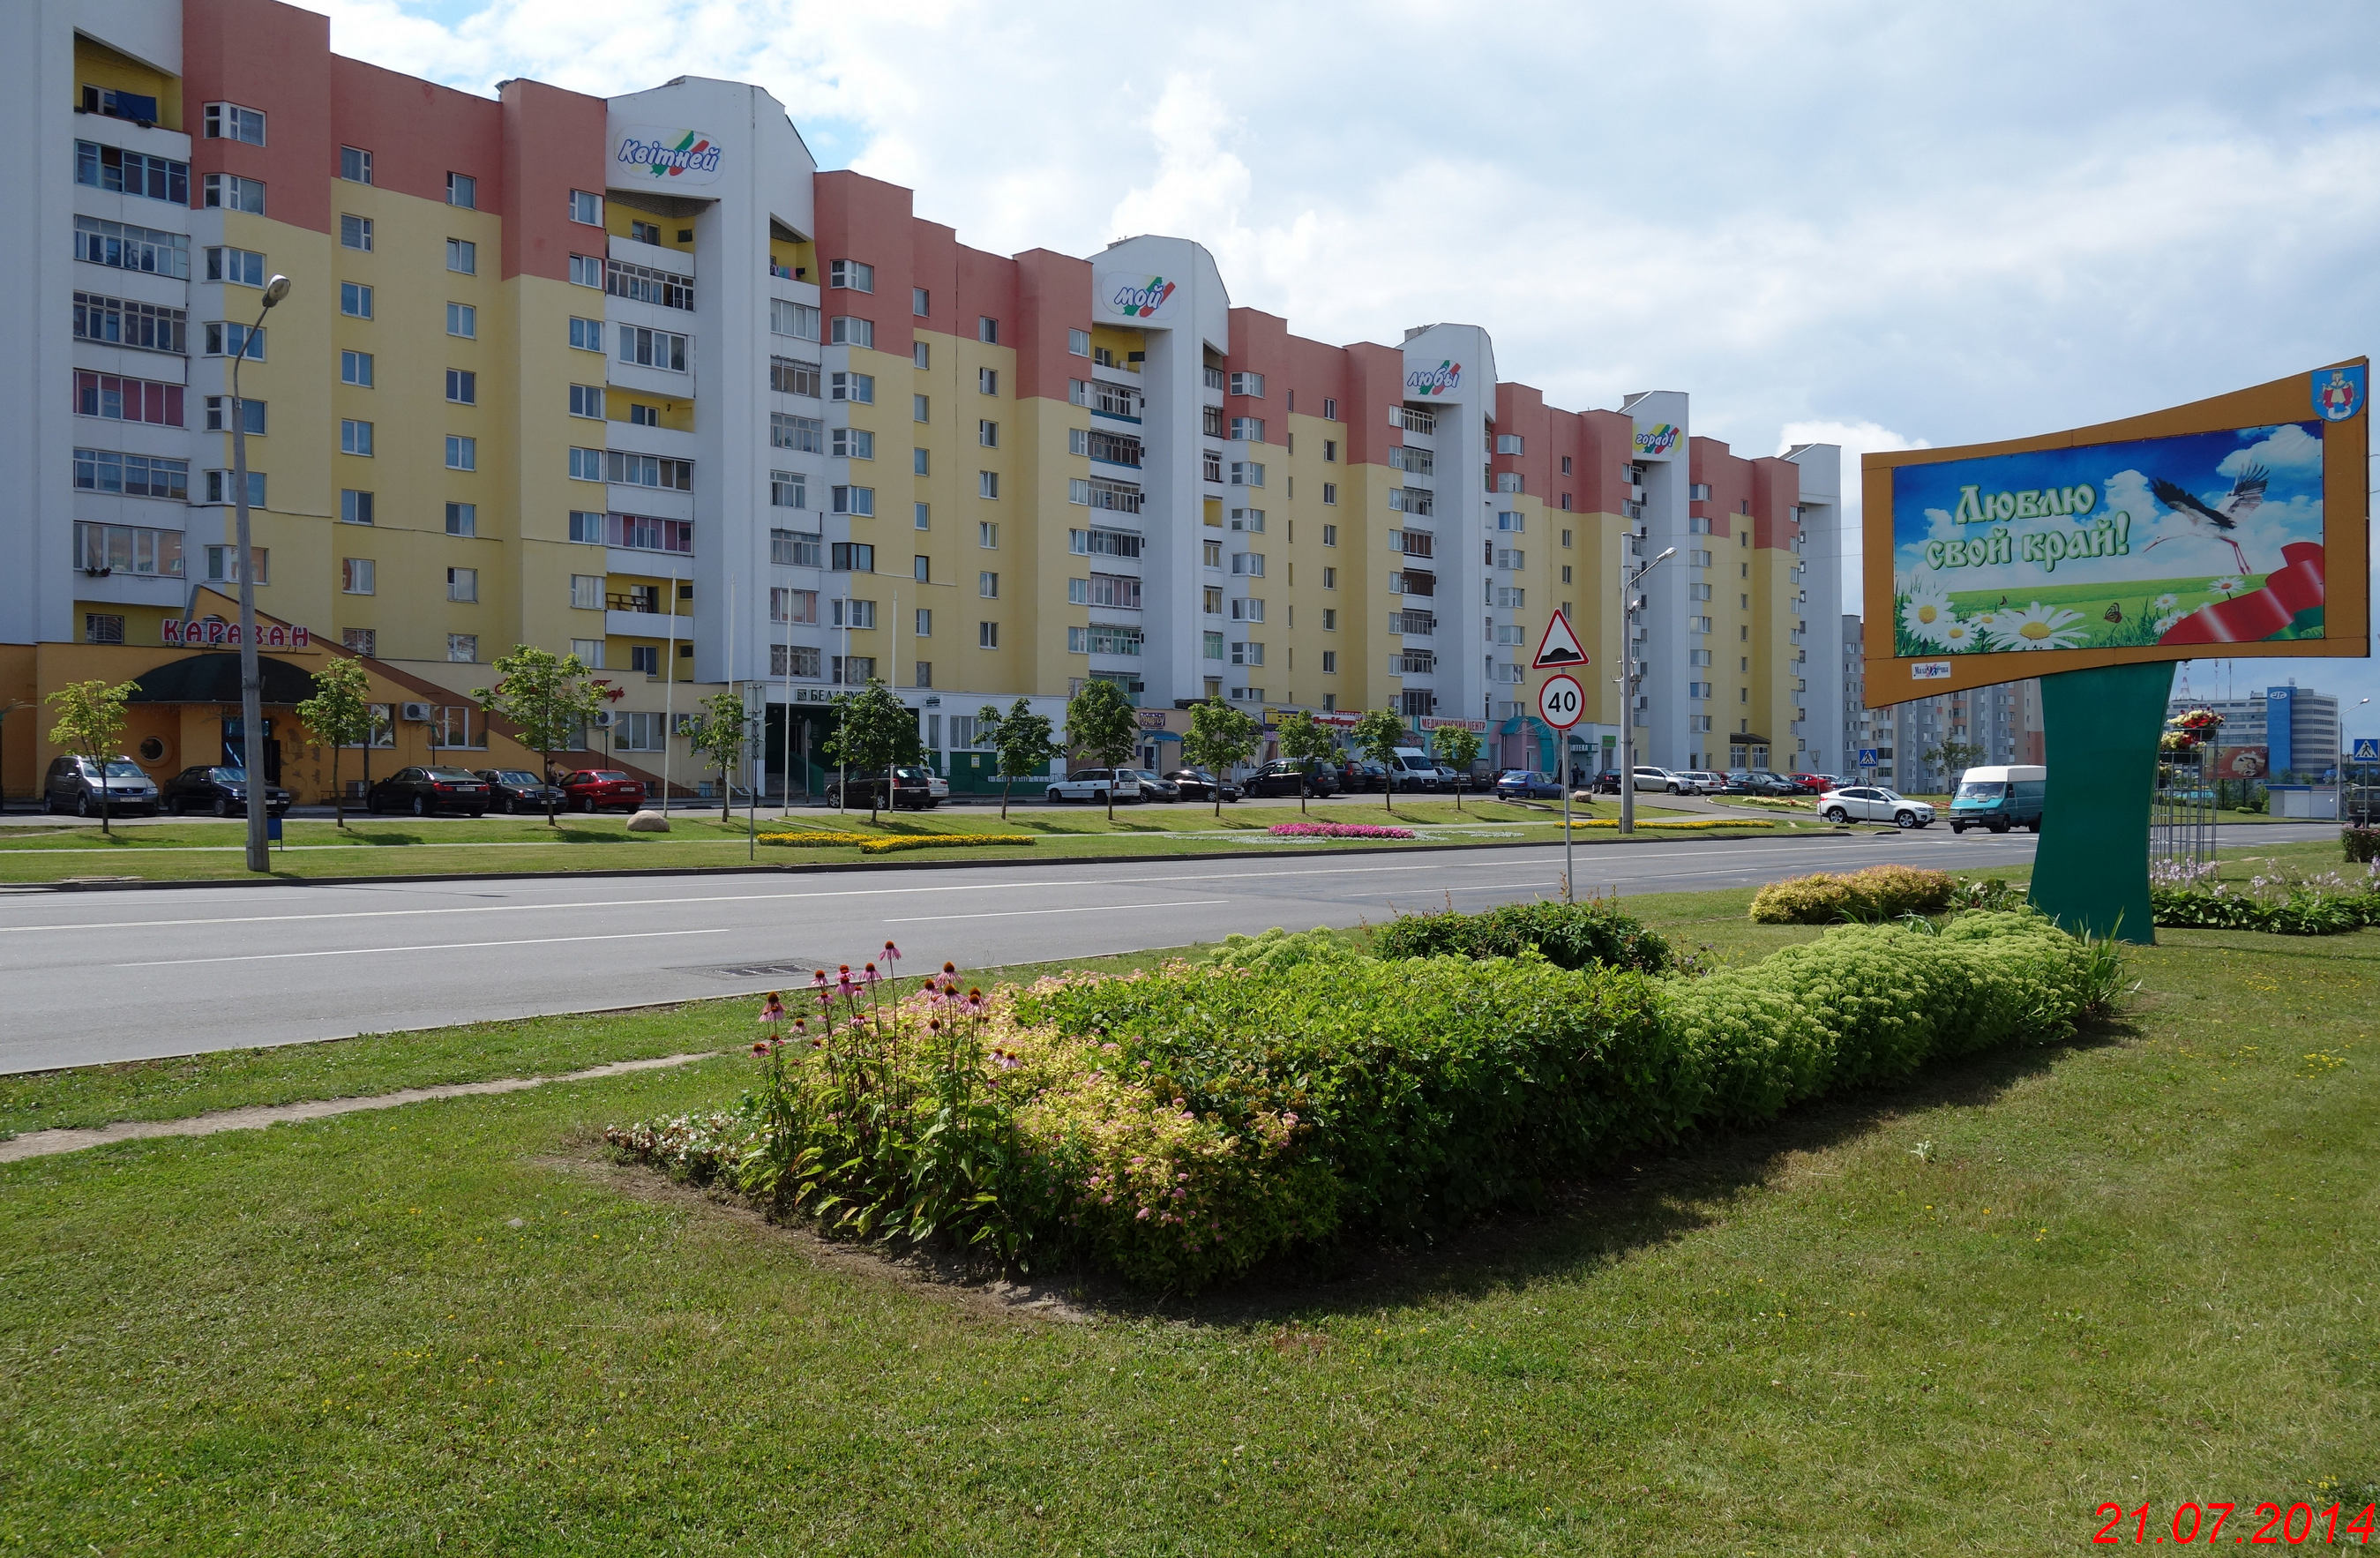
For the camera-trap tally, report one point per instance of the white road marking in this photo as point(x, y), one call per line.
point(435, 946)
point(1271, 875)
point(1086, 909)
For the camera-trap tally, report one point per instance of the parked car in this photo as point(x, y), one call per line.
point(601, 789)
point(1603, 784)
point(1197, 783)
point(1999, 799)
point(1359, 775)
point(1704, 781)
point(1648, 778)
point(1096, 784)
point(424, 791)
point(1414, 769)
point(76, 785)
point(1525, 784)
point(1873, 803)
point(516, 789)
point(1759, 781)
point(1152, 786)
point(223, 791)
point(1453, 780)
point(1816, 784)
point(938, 785)
point(913, 790)
point(1284, 777)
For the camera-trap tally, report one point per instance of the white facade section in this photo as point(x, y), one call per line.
point(1451, 377)
point(1664, 629)
point(1819, 606)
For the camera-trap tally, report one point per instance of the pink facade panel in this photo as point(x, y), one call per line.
point(263, 54)
point(553, 144)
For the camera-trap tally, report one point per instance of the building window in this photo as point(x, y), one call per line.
point(788, 489)
point(1249, 563)
point(463, 647)
point(848, 613)
point(987, 634)
point(585, 526)
point(120, 399)
point(463, 320)
point(132, 173)
point(793, 606)
point(851, 274)
point(586, 270)
point(987, 435)
point(805, 434)
point(229, 121)
point(797, 320)
point(988, 586)
point(137, 550)
point(1079, 343)
point(1249, 430)
point(1330, 663)
point(987, 330)
point(355, 437)
point(586, 400)
point(223, 565)
point(987, 533)
point(355, 576)
point(1247, 473)
point(856, 670)
point(586, 465)
point(987, 483)
point(790, 376)
point(587, 335)
point(355, 506)
point(1249, 385)
point(231, 339)
point(851, 557)
point(462, 520)
point(356, 232)
point(239, 267)
point(134, 476)
point(462, 386)
point(859, 388)
point(356, 368)
point(220, 488)
point(852, 500)
point(987, 380)
point(652, 348)
point(102, 627)
point(462, 190)
point(587, 206)
point(463, 256)
point(119, 322)
point(462, 453)
point(922, 301)
point(463, 584)
point(852, 444)
point(848, 330)
point(647, 471)
point(587, 592)
point(356, 167)
point(647, 658)
point(124, 247)
point(921, 355)
point(361, 641)
point(233, 193)
point(796, 549)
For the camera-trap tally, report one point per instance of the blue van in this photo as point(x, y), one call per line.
point(1999, 799)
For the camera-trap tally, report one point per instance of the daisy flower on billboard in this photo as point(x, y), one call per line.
point(2225, 587)
point(1957, 635)
point(2042, 628)
point(1927, 610)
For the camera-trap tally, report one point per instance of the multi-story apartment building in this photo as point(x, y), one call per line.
point(632, 377)
point(2285, 730)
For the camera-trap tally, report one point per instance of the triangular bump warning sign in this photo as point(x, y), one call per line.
point(1559, 646)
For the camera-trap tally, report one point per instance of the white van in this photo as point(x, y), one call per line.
point(1416, 770)
point(2000, 797)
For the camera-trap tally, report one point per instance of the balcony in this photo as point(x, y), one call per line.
point(1406, 418)
point(1418, 622)
point(640, 622)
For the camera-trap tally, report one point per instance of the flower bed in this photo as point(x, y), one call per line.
point(1683, 823)
point(2278, 901)
point(1177, 1127)
point(886, 844)
point(1877, 893)
point(1336, 830)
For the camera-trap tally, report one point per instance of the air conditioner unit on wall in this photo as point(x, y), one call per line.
point(418, 713)
point(606, 718)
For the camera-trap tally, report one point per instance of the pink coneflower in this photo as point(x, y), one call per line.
point(891, 953)
point(772, 1011)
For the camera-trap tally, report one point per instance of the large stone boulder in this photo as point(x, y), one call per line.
point(648, 822)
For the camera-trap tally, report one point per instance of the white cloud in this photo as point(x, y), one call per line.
point(2290, 448)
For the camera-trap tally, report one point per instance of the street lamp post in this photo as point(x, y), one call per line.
point(251, 685)
point(1630, 604)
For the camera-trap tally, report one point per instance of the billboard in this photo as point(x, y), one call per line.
point(2235, 527)
point(1135, 298)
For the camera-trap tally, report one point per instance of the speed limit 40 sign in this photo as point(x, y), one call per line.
point(1561, 702)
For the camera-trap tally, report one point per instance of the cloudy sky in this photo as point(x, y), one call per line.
point(1873, 224)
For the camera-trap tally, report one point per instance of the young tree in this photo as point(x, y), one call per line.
point(1103, 727)
point(1378, 736)
point(339, 713)
point(550, 696)
point(1953, 758)
point(876, 732)
point(1219, 736)
point(1022, 744)
point(718, 734)
point(1459, 749)
point(1304, 741)
point(91, 723)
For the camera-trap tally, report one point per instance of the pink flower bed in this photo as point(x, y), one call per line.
point(1335, 830)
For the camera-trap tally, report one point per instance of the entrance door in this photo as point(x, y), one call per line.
point(234, 748)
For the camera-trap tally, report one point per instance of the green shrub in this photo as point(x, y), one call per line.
point(1567, 935)
point(1877, 893)
point(2361, 845)
point(1278, 951)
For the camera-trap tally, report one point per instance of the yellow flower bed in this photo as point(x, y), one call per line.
point(885, 843)
point(1679, 823)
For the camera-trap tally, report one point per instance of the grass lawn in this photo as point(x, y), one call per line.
point(1950, 1319)
point(382, 846)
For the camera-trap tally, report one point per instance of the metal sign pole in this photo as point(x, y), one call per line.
point(1567, 877)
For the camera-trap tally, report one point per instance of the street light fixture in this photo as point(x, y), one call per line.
point(251, 686)
point(1629, 580)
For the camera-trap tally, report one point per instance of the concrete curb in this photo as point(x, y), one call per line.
point(1009, 862)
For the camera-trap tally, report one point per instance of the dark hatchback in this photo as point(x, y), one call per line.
point(1197, 783)
point(913, 790)
point(1360, 775)
point(516, 789)
point(425, 791)
point(223, 791)
point(1282, 777)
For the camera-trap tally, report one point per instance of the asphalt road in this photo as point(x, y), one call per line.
point(87, 977)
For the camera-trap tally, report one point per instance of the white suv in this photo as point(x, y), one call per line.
point(1663, 779)
point(1873, 803)
point(1093, 784)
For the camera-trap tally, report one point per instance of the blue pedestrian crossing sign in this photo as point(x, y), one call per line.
point(1867, 756)
point(2367, 749)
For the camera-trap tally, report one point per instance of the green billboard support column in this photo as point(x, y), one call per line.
point(2102, 726)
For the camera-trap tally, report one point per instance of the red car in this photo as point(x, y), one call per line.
point(1810, 783)
point(599, 789)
